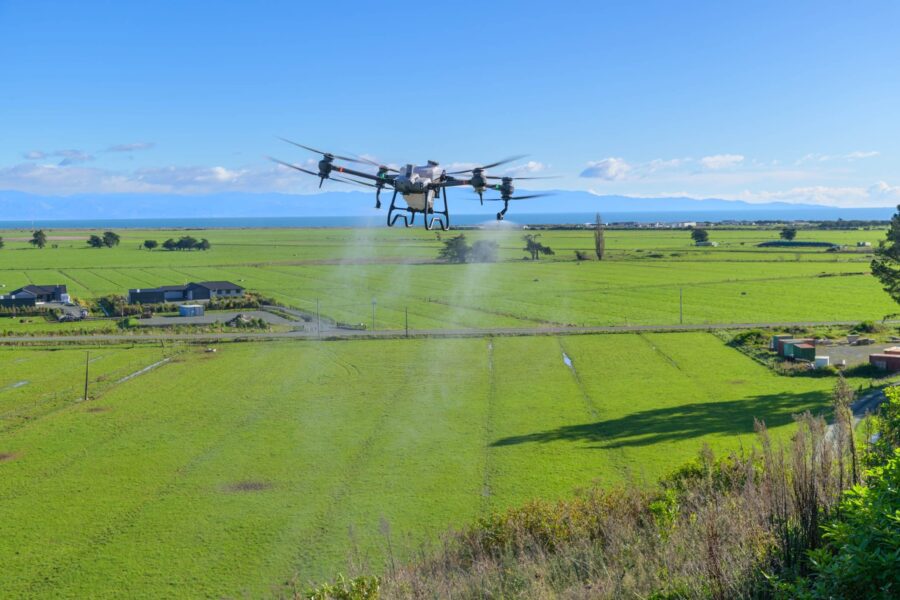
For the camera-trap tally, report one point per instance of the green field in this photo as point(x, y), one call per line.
point(228, 474)
point(201, 478)
point(345, 269)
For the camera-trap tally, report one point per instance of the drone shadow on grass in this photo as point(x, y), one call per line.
point(682, 422)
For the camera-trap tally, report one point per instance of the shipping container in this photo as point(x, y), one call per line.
point(804, 352)
point(885, 362)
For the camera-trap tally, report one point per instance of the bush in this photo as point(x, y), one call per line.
point(753, 337)
point(866, 327)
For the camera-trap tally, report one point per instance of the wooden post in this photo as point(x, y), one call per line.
point(87, 366)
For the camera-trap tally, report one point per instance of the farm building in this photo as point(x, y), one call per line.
point(31, 295)
point(885, 362)
point(707, 244)
point(197, 292)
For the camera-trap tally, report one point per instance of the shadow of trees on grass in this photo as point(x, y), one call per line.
point(682, 422)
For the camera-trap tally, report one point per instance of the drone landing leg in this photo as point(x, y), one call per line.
point(391, 217)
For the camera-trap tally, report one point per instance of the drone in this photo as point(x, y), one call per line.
point(419, 186)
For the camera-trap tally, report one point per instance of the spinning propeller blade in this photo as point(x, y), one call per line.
point(345, 158)
point(491, 165)
point(287, 164)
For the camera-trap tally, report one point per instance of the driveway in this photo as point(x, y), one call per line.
point(216, 317)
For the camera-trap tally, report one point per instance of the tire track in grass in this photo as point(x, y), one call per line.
point(321, 525)
point(61, 466)
point(127, 519)
point(489, 466)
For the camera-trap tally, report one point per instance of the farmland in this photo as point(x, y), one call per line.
point(640, 283)
point(199, 478)
point(227, 474)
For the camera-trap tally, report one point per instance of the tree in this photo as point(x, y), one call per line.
point(599, 240)
point(534, 247)
point(170, 244)
point(204, 244)
point(886, 264)
point(150, 244)
point(1, 242)
point(38, 238)
point(95, 241)
point(483, 251)
point(699, 236)
point(788, 233)
point(455, 250)
point(110, 239)
point(186, 243)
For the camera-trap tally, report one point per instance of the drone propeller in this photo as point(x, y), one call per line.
point(381, 167)
point(527, 197)
point(287, 164)
point(489, 166)
point(352, 180)
point(511, 178)
point(327, 155)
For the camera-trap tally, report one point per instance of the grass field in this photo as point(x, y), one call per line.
point(346, 269)
point(201, 478)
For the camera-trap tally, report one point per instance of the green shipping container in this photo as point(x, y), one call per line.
point(805, 352)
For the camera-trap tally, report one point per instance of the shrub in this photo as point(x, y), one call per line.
point(752, 337)
point(866, 327)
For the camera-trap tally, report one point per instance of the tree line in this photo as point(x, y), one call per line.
point(183, 243)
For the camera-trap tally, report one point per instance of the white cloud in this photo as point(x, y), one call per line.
point(879, 194)
point(849, 157)
point(609, 169)
point(721, 161)
point(529, 168)
point(133, 147)
point(34, 155)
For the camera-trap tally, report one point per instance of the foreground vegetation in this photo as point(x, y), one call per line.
point(815, 518)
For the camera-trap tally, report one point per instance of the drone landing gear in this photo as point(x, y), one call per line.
point(502, 213)
point(395, 213)
point(442, 217)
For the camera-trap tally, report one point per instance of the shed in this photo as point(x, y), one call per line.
point(804, 352)
point(891, 350)
point(786, 347)
point(777, 338)
point(190, 310)
point(885, 362)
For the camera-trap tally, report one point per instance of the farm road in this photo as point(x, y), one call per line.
point(332, 333)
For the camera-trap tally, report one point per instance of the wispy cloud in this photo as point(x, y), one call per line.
point(848, 157)
point(721, 161)
point(530, 168)
point(608, 169)
point(75, 179)
point(69, 157)
point(132, 147)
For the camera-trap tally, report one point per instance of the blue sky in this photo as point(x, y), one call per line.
point(757, 101)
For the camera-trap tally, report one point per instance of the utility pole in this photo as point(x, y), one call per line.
point(407, 321)
point(87, 366)
point(318, 320)
point(681, 306)
point(373, 314)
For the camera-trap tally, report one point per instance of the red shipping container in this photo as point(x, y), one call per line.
point(885, 362)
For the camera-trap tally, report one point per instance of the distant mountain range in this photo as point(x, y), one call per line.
point(20, 206)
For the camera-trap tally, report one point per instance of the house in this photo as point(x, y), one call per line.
point(32, 295)
point(203, 291)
